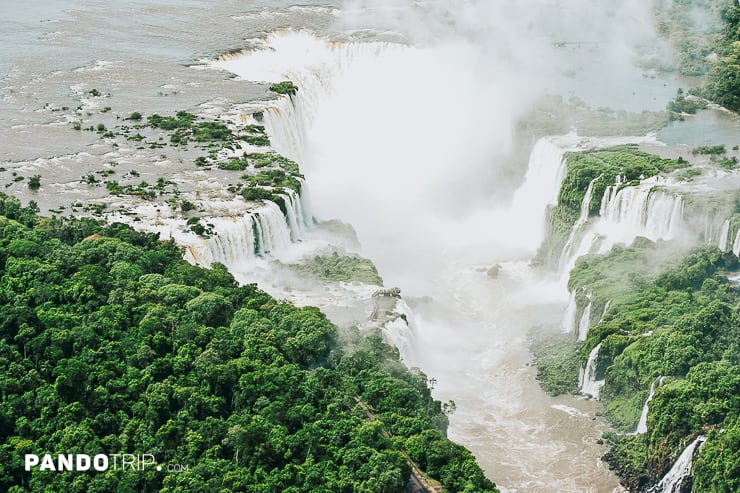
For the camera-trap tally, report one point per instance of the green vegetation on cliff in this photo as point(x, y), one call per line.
point(286, 87)
point(681, 323)
point(337, 267)
point(558, 363)
point(604, 166)
point(723, 86)
point(693, 27)
point(111, 343)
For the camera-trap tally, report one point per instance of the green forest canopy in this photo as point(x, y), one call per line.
point(111, 343)
point(681, 323)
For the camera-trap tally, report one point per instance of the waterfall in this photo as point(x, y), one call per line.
point(582, 219)
point(675, 480)
point(571, 323)
point(730, 238)
point(587, 383)
point(541, 186)
point(312, 64)
point(284, 124)
point(237, 238)
point(569, 319)
point(642, 424)
point(274, 233)
point(609, 194)
point(625, 214)
point(603, 314)
point(585, 321)
point(399, 333)
point(641, 210)
point(295, 215)
point(723, 236)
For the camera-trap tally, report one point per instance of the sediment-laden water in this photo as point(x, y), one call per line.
point(405, 135)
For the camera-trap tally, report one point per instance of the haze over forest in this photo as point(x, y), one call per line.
point(370, 246)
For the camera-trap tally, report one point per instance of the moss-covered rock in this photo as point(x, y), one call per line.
point(336, 267)
point(556, 357)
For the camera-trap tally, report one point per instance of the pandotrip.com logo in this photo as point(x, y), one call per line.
point(97, 463)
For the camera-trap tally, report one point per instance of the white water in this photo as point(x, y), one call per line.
point(585, 322)
point(642, 424)
point(313, 65)
point(235, 239)
point(606, 308)
point(296, 216)
point(682, 469)
point(400, 333)
point(569, 318)
point(284, 125)
point(582, 219)
point(587, 382)
point(368, 160)
point(264, 230)
point(642, 210)
point(728, 243)
point(723, 236)
point(554, 452)
point(545, 174)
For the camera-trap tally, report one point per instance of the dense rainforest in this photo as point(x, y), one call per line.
point(706, 37)
point(110, 343)
point(723, 86)
point(675, 329)
point(669, 325)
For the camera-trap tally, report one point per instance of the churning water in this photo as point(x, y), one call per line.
point(404, 141)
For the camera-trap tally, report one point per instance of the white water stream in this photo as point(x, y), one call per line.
point(365, 149)
point(681, 471)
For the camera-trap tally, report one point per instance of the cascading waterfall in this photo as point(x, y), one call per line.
point(587, 382)
point(642, 424)
point(642, 210)
point(399, 333)
point(284, 123)
point(569, 319)
point(539, 190)
point(585, 322)
point(729, 238)
point(723, 236)
point(582, 219)
point(675, 480)
point(312, 64)
point(275, 231)
point(606, 308)
point(541, 186)
point(625, 214)
point(609, 194)
point(295, 215)
point(236, 238)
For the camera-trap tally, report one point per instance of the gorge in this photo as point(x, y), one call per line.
point(401, 160)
